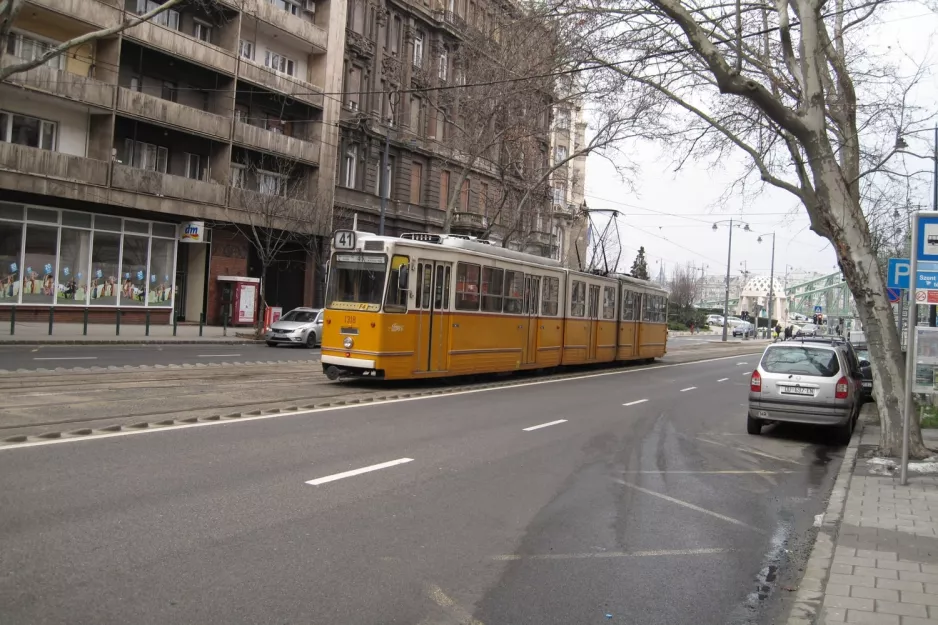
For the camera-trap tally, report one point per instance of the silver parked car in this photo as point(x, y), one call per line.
point(300, 326)
point(813, 383)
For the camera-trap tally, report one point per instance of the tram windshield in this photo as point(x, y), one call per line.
point(356, 281)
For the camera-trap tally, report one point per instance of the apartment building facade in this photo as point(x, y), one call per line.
point(126, 163)
point(401, 68)
point(568, 185)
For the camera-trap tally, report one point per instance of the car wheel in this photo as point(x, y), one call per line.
point(753, 426)
point(271, 344)
point(311, 340)
point(843, 432)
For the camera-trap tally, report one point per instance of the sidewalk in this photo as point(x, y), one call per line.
point(31, 333)
point(875, 559)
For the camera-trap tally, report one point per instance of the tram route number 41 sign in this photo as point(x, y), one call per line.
point(343, 240)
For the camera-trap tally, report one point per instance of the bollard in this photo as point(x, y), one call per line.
point(201, 323)
point(51, 316)
point(147, 323)
point(224, 321)
point(118, 322)
point(175, 322)
point(84, 329)
point(12, 320)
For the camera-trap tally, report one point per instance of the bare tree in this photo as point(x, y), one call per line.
point(275, 212)
point(683, 287)
point(9, 9)
point(714, 79)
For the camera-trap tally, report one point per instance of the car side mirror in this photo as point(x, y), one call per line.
point(864, 362)
point(403, 274)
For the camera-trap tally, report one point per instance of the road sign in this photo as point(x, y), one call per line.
point(927, 239)
point(897, 276)
point(818, 310)
point(894, 295)
point(920, 296)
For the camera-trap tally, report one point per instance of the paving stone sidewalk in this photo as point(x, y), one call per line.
point(32, 333)
point(876, 556)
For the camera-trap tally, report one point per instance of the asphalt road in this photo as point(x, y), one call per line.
point(626, 497)
point(34, 357)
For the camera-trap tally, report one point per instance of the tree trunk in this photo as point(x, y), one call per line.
point(848, 231)
point(262, 305)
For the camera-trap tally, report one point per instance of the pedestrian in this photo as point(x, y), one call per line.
point(789, 330)
point(691, 327)
point(778, 330)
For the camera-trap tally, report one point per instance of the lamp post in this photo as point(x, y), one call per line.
point(729, 255)
point(771, 277)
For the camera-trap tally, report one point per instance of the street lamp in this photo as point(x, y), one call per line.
point(771, 276)
point(729, 254)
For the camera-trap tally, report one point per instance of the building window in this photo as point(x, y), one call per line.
point(444, 189)
point(484, 201)
point(285, 5)
point(560, 154)
point(246, 49)
point(146, 155)
point(444, 64)
point(560, 194)
point(168, 18)
point(563, 119)
point(280, 63)
point(395, 35)
point(237, 176)
point(169, 91)
point(29, 48)
point(464, 196)
point(269, 183)
point(389, 173)
point(350, 166)
point(358, 16)
point(28, 131)
point(353, 87)
point(202, 31)
point(416, 182)
point(193, 166)
point(418, 49)
point(416, 106)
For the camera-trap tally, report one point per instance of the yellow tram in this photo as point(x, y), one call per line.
point(430, 305)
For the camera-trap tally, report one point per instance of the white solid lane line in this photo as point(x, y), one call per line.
point(544, 425)
point(374, 467)
point(689, 388)
point(637, 401)
point(216, 355)
point(68, 358)
point(741, 363)
point(722, 379)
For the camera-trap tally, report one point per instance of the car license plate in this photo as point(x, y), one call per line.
point(763, 414)
point(867, 385)
point(797, 390)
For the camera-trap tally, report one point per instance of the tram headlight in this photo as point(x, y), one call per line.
point(348, 342)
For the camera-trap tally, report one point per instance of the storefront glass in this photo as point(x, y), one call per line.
point(79, 259)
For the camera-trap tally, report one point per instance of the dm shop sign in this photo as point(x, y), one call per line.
point(192, 232)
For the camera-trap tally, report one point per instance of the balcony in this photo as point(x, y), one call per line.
point(183, 46)
point(263, 77)
point(359, 43)
point(544, 239)
point(48, 164)
point(267, 141)
point(564, 211)
point(470, 221)
point(299, 28)
point(94, 12)
point(245, 200)
point(63, 84)
point(136, 180)
point(167, 113)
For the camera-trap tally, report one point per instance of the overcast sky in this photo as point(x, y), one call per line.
point(671, 213)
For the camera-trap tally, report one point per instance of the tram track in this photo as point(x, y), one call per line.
point(225, 393)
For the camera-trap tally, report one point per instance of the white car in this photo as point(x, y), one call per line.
point(300, 326)
point(715, 320)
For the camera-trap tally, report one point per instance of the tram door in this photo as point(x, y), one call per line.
point(593, 316)
point(532, 301)
point(433, 280)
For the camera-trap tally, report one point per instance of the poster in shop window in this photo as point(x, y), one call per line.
point(246, 299)
point(926, 360)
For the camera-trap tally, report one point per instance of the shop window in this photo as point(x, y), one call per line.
point(105, 264)
point(133, 282)
point(161, 271)
point(11, 242)
point(74, 256)
point(39, 264)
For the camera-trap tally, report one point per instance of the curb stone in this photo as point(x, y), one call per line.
point(810, 594)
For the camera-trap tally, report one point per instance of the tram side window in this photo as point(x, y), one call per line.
point(492, 285)
point(578, 299)
point(396, 298)
point(514, 292)
point(629, 299)
point(467, 286)
point(654, 309)
point(550, 296)
point(609, 302)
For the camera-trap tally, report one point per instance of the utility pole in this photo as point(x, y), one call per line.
point(726, 295)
